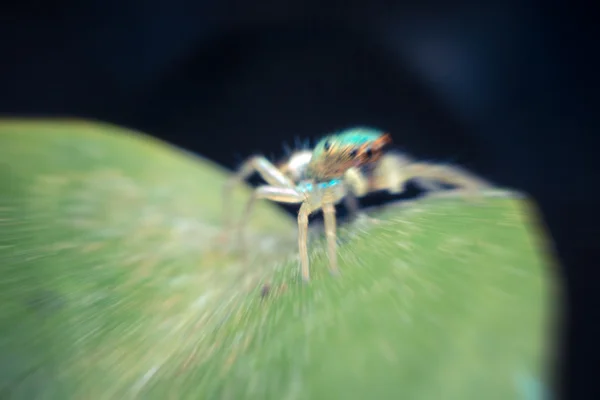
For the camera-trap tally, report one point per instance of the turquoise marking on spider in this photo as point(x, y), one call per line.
point(309, 187)
point(355, 137)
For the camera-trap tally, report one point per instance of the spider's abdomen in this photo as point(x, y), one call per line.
point(295, 166)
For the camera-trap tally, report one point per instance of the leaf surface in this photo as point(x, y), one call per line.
point(113, 286)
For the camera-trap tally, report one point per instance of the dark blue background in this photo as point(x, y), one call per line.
point(504, 88)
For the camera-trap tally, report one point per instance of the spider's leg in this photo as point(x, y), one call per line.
point(394, 170)
point(357, 181)
point(427, 173)
point(274, 193)
point(352, 205)
point(390, 173)
point(325, 199)
point(264, 168)
point(358, 184)
point(303, 214)
point(354, 212)
point(330, 234)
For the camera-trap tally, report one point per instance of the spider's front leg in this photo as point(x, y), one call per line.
point(265, 169)
point(323, 196)
point(310, 203)
point(330, 233)
point(274, 193)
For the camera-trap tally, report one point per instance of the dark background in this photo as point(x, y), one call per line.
point(502, 88)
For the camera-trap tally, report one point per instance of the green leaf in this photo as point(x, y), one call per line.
point(113, 285)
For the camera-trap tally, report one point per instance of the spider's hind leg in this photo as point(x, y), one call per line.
point(429, 176)
point(394, 170)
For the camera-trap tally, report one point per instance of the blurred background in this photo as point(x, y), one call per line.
point(503, 88)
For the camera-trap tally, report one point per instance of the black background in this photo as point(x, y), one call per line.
point(502, 88)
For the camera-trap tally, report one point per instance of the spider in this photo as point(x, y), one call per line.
point(342, 166)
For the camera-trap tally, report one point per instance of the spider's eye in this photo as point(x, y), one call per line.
point(327, 145)
point(353, 153)
point(369, 153)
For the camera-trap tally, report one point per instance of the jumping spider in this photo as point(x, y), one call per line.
point(342, 166)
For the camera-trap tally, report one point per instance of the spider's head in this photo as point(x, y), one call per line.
point(335, 154)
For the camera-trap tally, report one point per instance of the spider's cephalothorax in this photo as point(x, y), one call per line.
point(336, 154)
point(346, 165)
